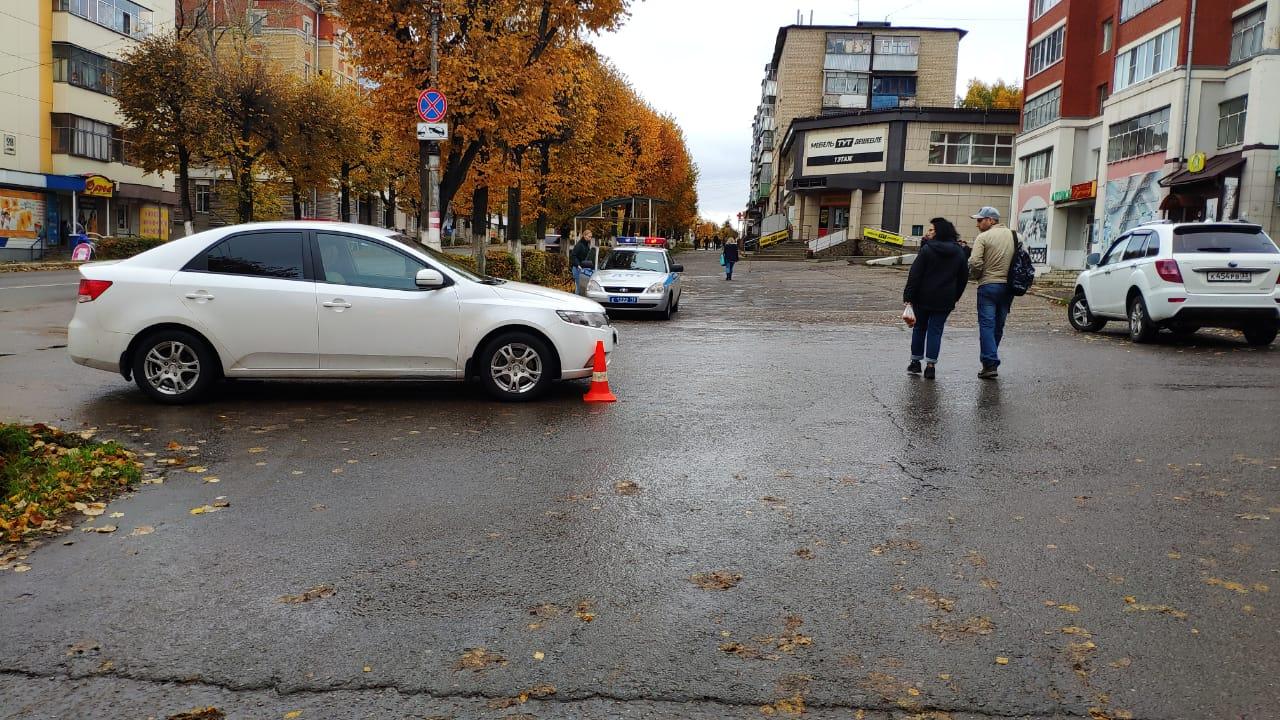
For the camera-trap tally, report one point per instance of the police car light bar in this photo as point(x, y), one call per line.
point(628, 241)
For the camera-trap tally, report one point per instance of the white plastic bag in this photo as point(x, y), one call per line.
point(909, 316)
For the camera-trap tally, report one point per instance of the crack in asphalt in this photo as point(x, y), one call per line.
point(925, 485)
point(275, 687)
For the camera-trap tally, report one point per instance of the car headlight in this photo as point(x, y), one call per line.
point(656, 287)
point(589, 319)
point(594, 286)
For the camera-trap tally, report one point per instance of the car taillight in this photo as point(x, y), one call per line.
point(90, 290)
point(1168, 271)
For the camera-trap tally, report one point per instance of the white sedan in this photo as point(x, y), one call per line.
point(323, 300)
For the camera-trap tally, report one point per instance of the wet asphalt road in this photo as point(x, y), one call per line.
point(1103, 517)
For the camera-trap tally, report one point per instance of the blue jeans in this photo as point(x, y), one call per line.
point(926, 336)
point(994, 301)
point(728, 269)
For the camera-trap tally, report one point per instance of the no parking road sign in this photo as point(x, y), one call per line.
point(432, 106)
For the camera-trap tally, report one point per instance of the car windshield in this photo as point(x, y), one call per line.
point(1222, 240)
point(634, 260)
point(445, 259)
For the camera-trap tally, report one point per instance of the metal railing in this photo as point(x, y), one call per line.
point(829, 240)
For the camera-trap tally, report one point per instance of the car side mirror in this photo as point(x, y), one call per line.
point(677, 268)
point(1093, 259)
point(429, 279)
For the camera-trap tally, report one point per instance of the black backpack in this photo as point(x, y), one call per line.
point(1022, 272)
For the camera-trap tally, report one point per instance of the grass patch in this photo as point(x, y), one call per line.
point(44, 472)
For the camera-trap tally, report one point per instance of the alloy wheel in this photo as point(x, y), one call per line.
point(172, 367)
point(516, 368)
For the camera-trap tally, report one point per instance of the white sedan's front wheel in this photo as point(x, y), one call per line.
point(516, 366)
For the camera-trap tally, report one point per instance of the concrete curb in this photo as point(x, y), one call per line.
point(38, 266)
point(1044, 296)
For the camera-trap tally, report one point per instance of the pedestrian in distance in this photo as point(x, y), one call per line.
point(729, 258)
point(935, 284)
point(989, 262)
point(577, 257)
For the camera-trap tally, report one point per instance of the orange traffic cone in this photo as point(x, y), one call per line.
point(599, 391)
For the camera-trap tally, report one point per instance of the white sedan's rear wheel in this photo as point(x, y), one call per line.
point(174, 367)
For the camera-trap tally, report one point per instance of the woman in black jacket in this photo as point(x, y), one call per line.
point(934, 286)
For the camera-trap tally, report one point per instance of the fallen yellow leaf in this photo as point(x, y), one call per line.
point(105, 529)
point(538, 655)
point(256, 450)
point(292, 714)
point(1130, 599)
point(1002, 660)
point(367, 668)
point(1069, 608)
point(142, 530)
point(116, 515)
point(198, 469)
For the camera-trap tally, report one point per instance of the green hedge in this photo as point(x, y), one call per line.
point(539, 267)
point(119, 248)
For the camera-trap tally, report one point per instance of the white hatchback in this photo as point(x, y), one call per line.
point(1183, 277)
point(323, 300)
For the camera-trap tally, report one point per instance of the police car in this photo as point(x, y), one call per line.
point(637, 275)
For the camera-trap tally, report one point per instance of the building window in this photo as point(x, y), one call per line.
point(257, 21)
point(899, 53)
point(122, 16)
point(1043, 6)
point(1146, 60)
point(1046, 52)
point(962, 148)
point(1129, 8)
point(1141, 135)
point(1037, 166)
point(1246, 35)
point(893, 91)
point(306, 26)
point(846, 83)
point(74, 135)
point(1108, 35)
point(1103, 94)
point(84, 69)
point(1042, 109)
point(1231, 117)
point(202, 197)
point(849, 52)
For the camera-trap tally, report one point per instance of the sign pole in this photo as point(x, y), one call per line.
point(429, 150)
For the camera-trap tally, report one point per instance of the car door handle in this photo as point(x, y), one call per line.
point(202, 295)
point(338, 303)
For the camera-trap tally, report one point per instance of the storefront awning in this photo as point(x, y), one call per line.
point(133, 191)
point(1214, 168)
point(69, 183)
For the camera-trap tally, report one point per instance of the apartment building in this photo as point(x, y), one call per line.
point(65, 161)
point(1137, 110)
point(857, 128)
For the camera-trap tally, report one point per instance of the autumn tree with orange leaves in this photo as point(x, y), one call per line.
point(531, 107)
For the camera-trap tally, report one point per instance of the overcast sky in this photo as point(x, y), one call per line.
point(702, 61)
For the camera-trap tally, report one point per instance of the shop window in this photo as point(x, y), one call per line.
point(1137, 136)
point(1231, 118)
point(1246, 35)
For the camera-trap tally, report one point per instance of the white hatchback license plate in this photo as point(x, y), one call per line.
point(622, 300)
point(1230, 276)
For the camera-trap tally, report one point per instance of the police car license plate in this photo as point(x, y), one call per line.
point(617, 300)
point(1230, 276)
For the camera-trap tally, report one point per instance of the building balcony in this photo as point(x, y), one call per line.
point(121, 16)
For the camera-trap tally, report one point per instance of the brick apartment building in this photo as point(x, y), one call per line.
point(306, 38)
point(1118, 128)
point(857, 128)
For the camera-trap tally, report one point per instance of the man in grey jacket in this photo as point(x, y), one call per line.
point(989, 265)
